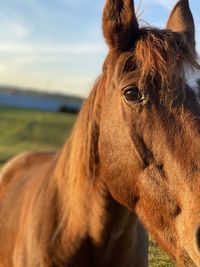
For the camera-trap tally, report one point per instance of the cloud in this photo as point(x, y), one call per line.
point(20, 30)
point(9, 47)
point(12, 29)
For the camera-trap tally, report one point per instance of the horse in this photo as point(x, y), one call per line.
point(131, 164)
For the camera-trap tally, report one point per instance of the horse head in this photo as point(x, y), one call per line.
point(149, 146)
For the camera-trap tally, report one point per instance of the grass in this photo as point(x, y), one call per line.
point(158, 258)
point(23, 130)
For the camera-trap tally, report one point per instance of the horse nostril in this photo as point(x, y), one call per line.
point(198, 238)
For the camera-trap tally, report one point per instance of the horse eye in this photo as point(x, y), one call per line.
point(132, 94)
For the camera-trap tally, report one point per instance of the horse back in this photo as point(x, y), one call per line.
point(23, 165)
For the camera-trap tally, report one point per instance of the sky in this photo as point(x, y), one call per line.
point(57, 45)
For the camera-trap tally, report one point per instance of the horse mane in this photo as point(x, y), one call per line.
point(161, 56)
point(74, 177)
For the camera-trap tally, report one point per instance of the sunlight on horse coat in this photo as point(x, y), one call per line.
point(134, 151)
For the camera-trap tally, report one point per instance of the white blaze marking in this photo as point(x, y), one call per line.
point(192, 77)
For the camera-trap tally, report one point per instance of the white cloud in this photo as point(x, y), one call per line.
point(20, 30)
point(51, 49)
point(12, 29)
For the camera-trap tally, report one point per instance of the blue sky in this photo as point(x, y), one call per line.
point(57, 45)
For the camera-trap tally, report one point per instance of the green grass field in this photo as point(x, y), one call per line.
point(22, 130)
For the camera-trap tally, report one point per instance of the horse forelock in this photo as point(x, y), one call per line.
point(160, 58)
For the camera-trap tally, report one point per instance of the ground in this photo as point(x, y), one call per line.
point(23, 130)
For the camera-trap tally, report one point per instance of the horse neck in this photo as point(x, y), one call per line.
point(87, 209)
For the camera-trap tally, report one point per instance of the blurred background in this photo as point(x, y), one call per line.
point(51, 52)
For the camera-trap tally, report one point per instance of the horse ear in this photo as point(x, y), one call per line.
point(120, 26)
point(181, 20)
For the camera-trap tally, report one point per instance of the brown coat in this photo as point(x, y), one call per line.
point(134, 151)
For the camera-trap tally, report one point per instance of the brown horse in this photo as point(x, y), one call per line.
point(134, 151)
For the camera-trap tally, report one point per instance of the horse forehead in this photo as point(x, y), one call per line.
point(192, 77)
